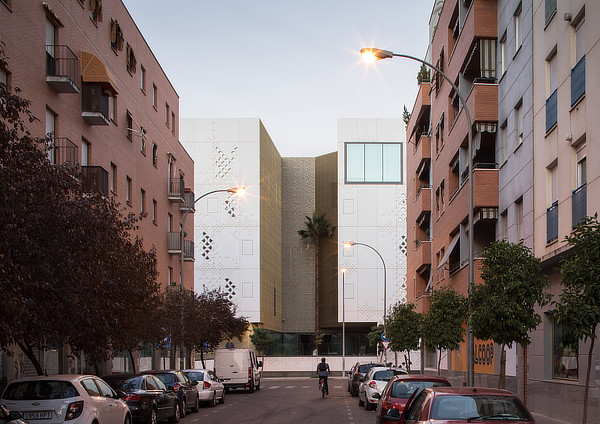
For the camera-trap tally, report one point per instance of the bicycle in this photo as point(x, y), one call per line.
point(322, 387)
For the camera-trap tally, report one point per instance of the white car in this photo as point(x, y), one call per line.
point(210, 388)
point(373, 383)
point(78, 399)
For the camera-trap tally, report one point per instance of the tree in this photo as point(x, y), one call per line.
point(317, 227)
point(443, 323)
point(406, 117)
point(69, 269)
point(577, 308)
point(423, 75)
point(262, 339)
point(403, 329)
point(502, 309)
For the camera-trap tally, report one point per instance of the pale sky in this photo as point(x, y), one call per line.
point(293, 64)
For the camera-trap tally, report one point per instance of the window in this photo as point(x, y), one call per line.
point(519, 218)
point(579, 195)
point(551, 91)
point(373, 163)
point(170, 276)
point(552, 210)
point(112, 108)
point(154, 93)
point(154, 154)
point(113, 177)
point(578, 70)
point(143, 201)
point(517, 24)
point(85, 152)
point(442, 194)
point(130, 60)
point(129, 184)
point(90, 387)
point(565, 353)
point(142, 78)
point(96, 11)
point(167, 111)
point(502, 55)
point(51, 135)
point(439, 135)
point(550, 10)
point(143, 140)
point(116, 36)
point(504, 223)
point(502, 143)
point(170, 223)
point(581, 172)
point(154, 207)
point(519, 122)
point(173, 122)
point(129, 126)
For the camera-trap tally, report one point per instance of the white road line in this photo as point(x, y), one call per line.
point(274, 387)
point(290, 387)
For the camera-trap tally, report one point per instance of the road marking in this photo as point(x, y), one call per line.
point(290, 387)
point(307, 387)
point(274, 387)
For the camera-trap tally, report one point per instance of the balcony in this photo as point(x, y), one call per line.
point(422, 157)
point(551, 111)
point(482, 102)
point(94, 179)
point(552, 222)
point(423, 255)
point(176, 190)
point(422, 104)
point(174, 243)
point(485, 191)
point(188, 201)
point(578, 81)
point(579, 202)
point(94, 108)
point(62, 150)
point(62, 69)
point(188, 250)
point(423, 203)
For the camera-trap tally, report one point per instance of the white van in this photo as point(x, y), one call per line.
point(238, 368)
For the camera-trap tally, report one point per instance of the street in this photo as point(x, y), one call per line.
point(286, 400)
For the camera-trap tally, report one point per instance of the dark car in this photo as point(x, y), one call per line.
point(148, 398)
point(182, 386)
point(463, 405)
point(10, 417)
point(358, 371)
point(399, 389)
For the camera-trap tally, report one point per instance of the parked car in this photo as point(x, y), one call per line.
point(399, 389)
point(358, 371)
point(462, 405)
point(182, 386)
point(148, 398)
point(238, 368)
point(10, 417)
point(373, 383)
point(210, 387)
point(79, 399)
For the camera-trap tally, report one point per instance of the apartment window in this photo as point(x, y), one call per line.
point(519, 122)
point(442, 194)
point(550, 10)
point(51, 135)
point(373, 162)
point(581, 172)
point(113, 177)
point(85, 152)
point(154, 208)
point(167, 112)
point(438, 206)
point(131, 61)
point(4, 77)
point(565, 353)
point(578, 71)
point(579, 195)
point(143, 140)
point(116, 36)
point(504, 223)
point(154, 94)
point(517, 24)
point(143, 201)
point(501, 139)
point(142, 78)
point(439, 135)
point(170, 276)
point(173, 122)
point(154, 154)
point(129, 126)
point(519, 218)
point(552, 211)
point(112, 108)
point(96, 11)
point(129, 185)
point(551, 91)
point(502, 55)
point(170, 223)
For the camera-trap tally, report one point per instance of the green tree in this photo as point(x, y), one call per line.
point(403, 329)
point(316, 227)
point(262, 339)
point(578, 308)
point(406, 117)
point(443, 323)
point(374, 336)
point(502, 309)
point(423, 75)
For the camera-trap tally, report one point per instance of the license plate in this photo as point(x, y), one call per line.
point(37, 415)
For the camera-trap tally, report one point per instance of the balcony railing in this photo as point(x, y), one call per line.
point(94, 107)
point(176, 190)
point(579, 202)
point(188, 202)
point(188, 250)
point(551, 111)
point(94, 179)
point(62, 69)
point(62, 150)
point(552, 222)
point(174, 243)
point(578, 81)
point(464, 175)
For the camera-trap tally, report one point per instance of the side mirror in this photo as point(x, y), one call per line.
point(393, 415)
point(194, 383)
point(376, 396)
point(121, 394)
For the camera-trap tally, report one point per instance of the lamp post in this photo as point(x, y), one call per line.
point(372, 54)
point(352, 244)
point(343, 321)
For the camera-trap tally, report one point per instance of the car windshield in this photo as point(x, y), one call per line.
point(488, 407)
point(404, 389)
point(120, 383)
point(167, 378)
point(363, 368)
point(385, 375)
point(40, 390)
point(195, 375)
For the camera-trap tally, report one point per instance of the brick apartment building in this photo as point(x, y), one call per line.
point(104, 99)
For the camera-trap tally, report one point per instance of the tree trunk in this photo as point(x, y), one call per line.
point(317, 341)
point(502, 379)
point(202, 358)
point(440, 363)
point(132, 361)
point(587, 374)
point(525, 374)
point(28, 351)
point(97, 369)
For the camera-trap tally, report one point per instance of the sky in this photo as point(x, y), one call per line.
point(293, 64)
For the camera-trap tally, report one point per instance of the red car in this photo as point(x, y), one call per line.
point(462, 405)
point(399, 389)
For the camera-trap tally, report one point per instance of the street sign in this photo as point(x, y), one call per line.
point(383, 338)
point(386, 344)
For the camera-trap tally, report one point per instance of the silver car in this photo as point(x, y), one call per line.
point(210, 388)
point(373, 383)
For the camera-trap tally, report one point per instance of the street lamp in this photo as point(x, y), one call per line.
point(236, 190)
point(343, 321)
point(372, 55)
point(352, 244)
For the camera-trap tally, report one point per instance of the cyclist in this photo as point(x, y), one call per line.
point(323, 371)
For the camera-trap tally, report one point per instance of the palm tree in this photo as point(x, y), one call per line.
point(317, 226)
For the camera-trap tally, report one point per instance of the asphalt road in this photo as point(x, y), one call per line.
point(286, 400)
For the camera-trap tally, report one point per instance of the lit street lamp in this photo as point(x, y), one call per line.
point(352, 244)
point(371, 55)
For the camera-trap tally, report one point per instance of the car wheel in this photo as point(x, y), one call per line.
point(251, 387)
point(258, 387)
point(360, 402)
point(196, 405)
point(213, 401)
point(152, 416)
point(367, 405)
point(127, 420)
point(222, 400)
point(183, 409)
point(176, 414)
point(354, 392)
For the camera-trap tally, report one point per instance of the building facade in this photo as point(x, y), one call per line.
point(103, 99)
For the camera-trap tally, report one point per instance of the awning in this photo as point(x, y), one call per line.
point(94, 70)
point(451, 247)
